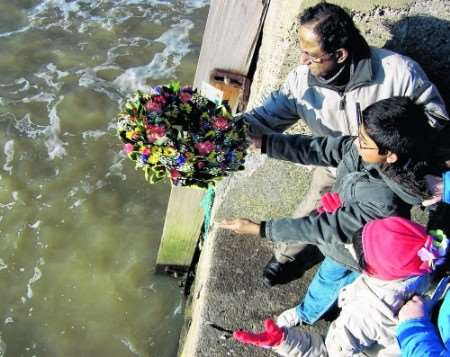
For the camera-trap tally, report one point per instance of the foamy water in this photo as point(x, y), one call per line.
point(79, 226)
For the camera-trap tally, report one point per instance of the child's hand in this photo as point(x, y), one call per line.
point(413, 309)
point(272, 336)
point(241, 226)
point(435, 186)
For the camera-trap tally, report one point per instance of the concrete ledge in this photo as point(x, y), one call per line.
point(228, 290)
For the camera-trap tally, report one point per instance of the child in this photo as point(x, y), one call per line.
point(379, 174)
point(370, 304)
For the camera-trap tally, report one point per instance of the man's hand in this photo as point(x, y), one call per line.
point(413, 309)
point(240, 226)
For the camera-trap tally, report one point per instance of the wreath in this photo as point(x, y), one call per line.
point(175, 132)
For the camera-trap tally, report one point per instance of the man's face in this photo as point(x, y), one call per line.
point(367, 148)
point(320, 63)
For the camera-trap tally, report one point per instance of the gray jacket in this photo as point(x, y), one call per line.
point(329, 111)
point(366, 193)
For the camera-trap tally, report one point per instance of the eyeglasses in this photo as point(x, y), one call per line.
point(314, 59)
point(359, 142)
point(359, 121)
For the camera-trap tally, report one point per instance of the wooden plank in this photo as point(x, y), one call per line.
point(229, 42)
point(182, 228)
point(230, 38)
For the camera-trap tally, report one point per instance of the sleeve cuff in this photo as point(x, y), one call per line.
point(264, 144)
point(262, 229)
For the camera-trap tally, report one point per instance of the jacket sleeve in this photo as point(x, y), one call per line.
point(418, 337)
point(301, 344)
point(278, 112)
point(307, 150)
point(424, 92)
point(324, 228)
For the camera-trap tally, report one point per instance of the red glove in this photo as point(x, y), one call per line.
point(329, 202)
point(271, 337)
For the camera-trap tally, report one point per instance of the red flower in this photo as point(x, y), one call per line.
point(175, 175)
point(185, 97)
point(151, 106)
point(221, 123)
point(159, 99)
point(205, 147)
point(155, 132)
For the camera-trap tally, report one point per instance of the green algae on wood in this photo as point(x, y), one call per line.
point(182, 228)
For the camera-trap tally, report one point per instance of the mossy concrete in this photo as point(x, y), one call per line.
point(228, 291)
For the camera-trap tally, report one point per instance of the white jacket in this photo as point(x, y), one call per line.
point(367, 321)
point(328, 111)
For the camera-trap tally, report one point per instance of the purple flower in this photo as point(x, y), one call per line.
point(230, 156)
point(157, 90)
point(181, 160)
point(187, 89)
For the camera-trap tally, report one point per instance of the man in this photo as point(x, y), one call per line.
point(337, 70)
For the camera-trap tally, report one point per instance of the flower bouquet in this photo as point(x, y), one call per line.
point(177, 133)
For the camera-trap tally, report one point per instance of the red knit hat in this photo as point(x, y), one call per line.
point(396, 248)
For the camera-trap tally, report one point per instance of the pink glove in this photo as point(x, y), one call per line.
point(329, 202)
point(271, 337)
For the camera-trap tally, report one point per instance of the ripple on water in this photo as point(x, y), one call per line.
point(8, 150)
point(164, 63)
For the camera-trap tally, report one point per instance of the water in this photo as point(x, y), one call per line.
point(79, 228)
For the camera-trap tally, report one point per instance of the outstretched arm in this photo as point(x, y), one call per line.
point(285, 342)
point(278, 112)
point(308, 150)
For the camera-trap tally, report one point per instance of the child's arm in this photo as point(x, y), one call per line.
point(418, 337)
point(285, 342)
point(416, 334)
point(307, 150)
point(325, 228)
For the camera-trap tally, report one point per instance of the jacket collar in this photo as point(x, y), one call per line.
point(405, 194)
point(361, 74)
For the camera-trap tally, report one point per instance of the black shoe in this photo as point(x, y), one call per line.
point(276, 273)
point(273, 273)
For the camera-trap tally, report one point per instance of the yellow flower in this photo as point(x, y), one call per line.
point(168, 151)
point(154, 158)
point(156, 150)
point(133, 134)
